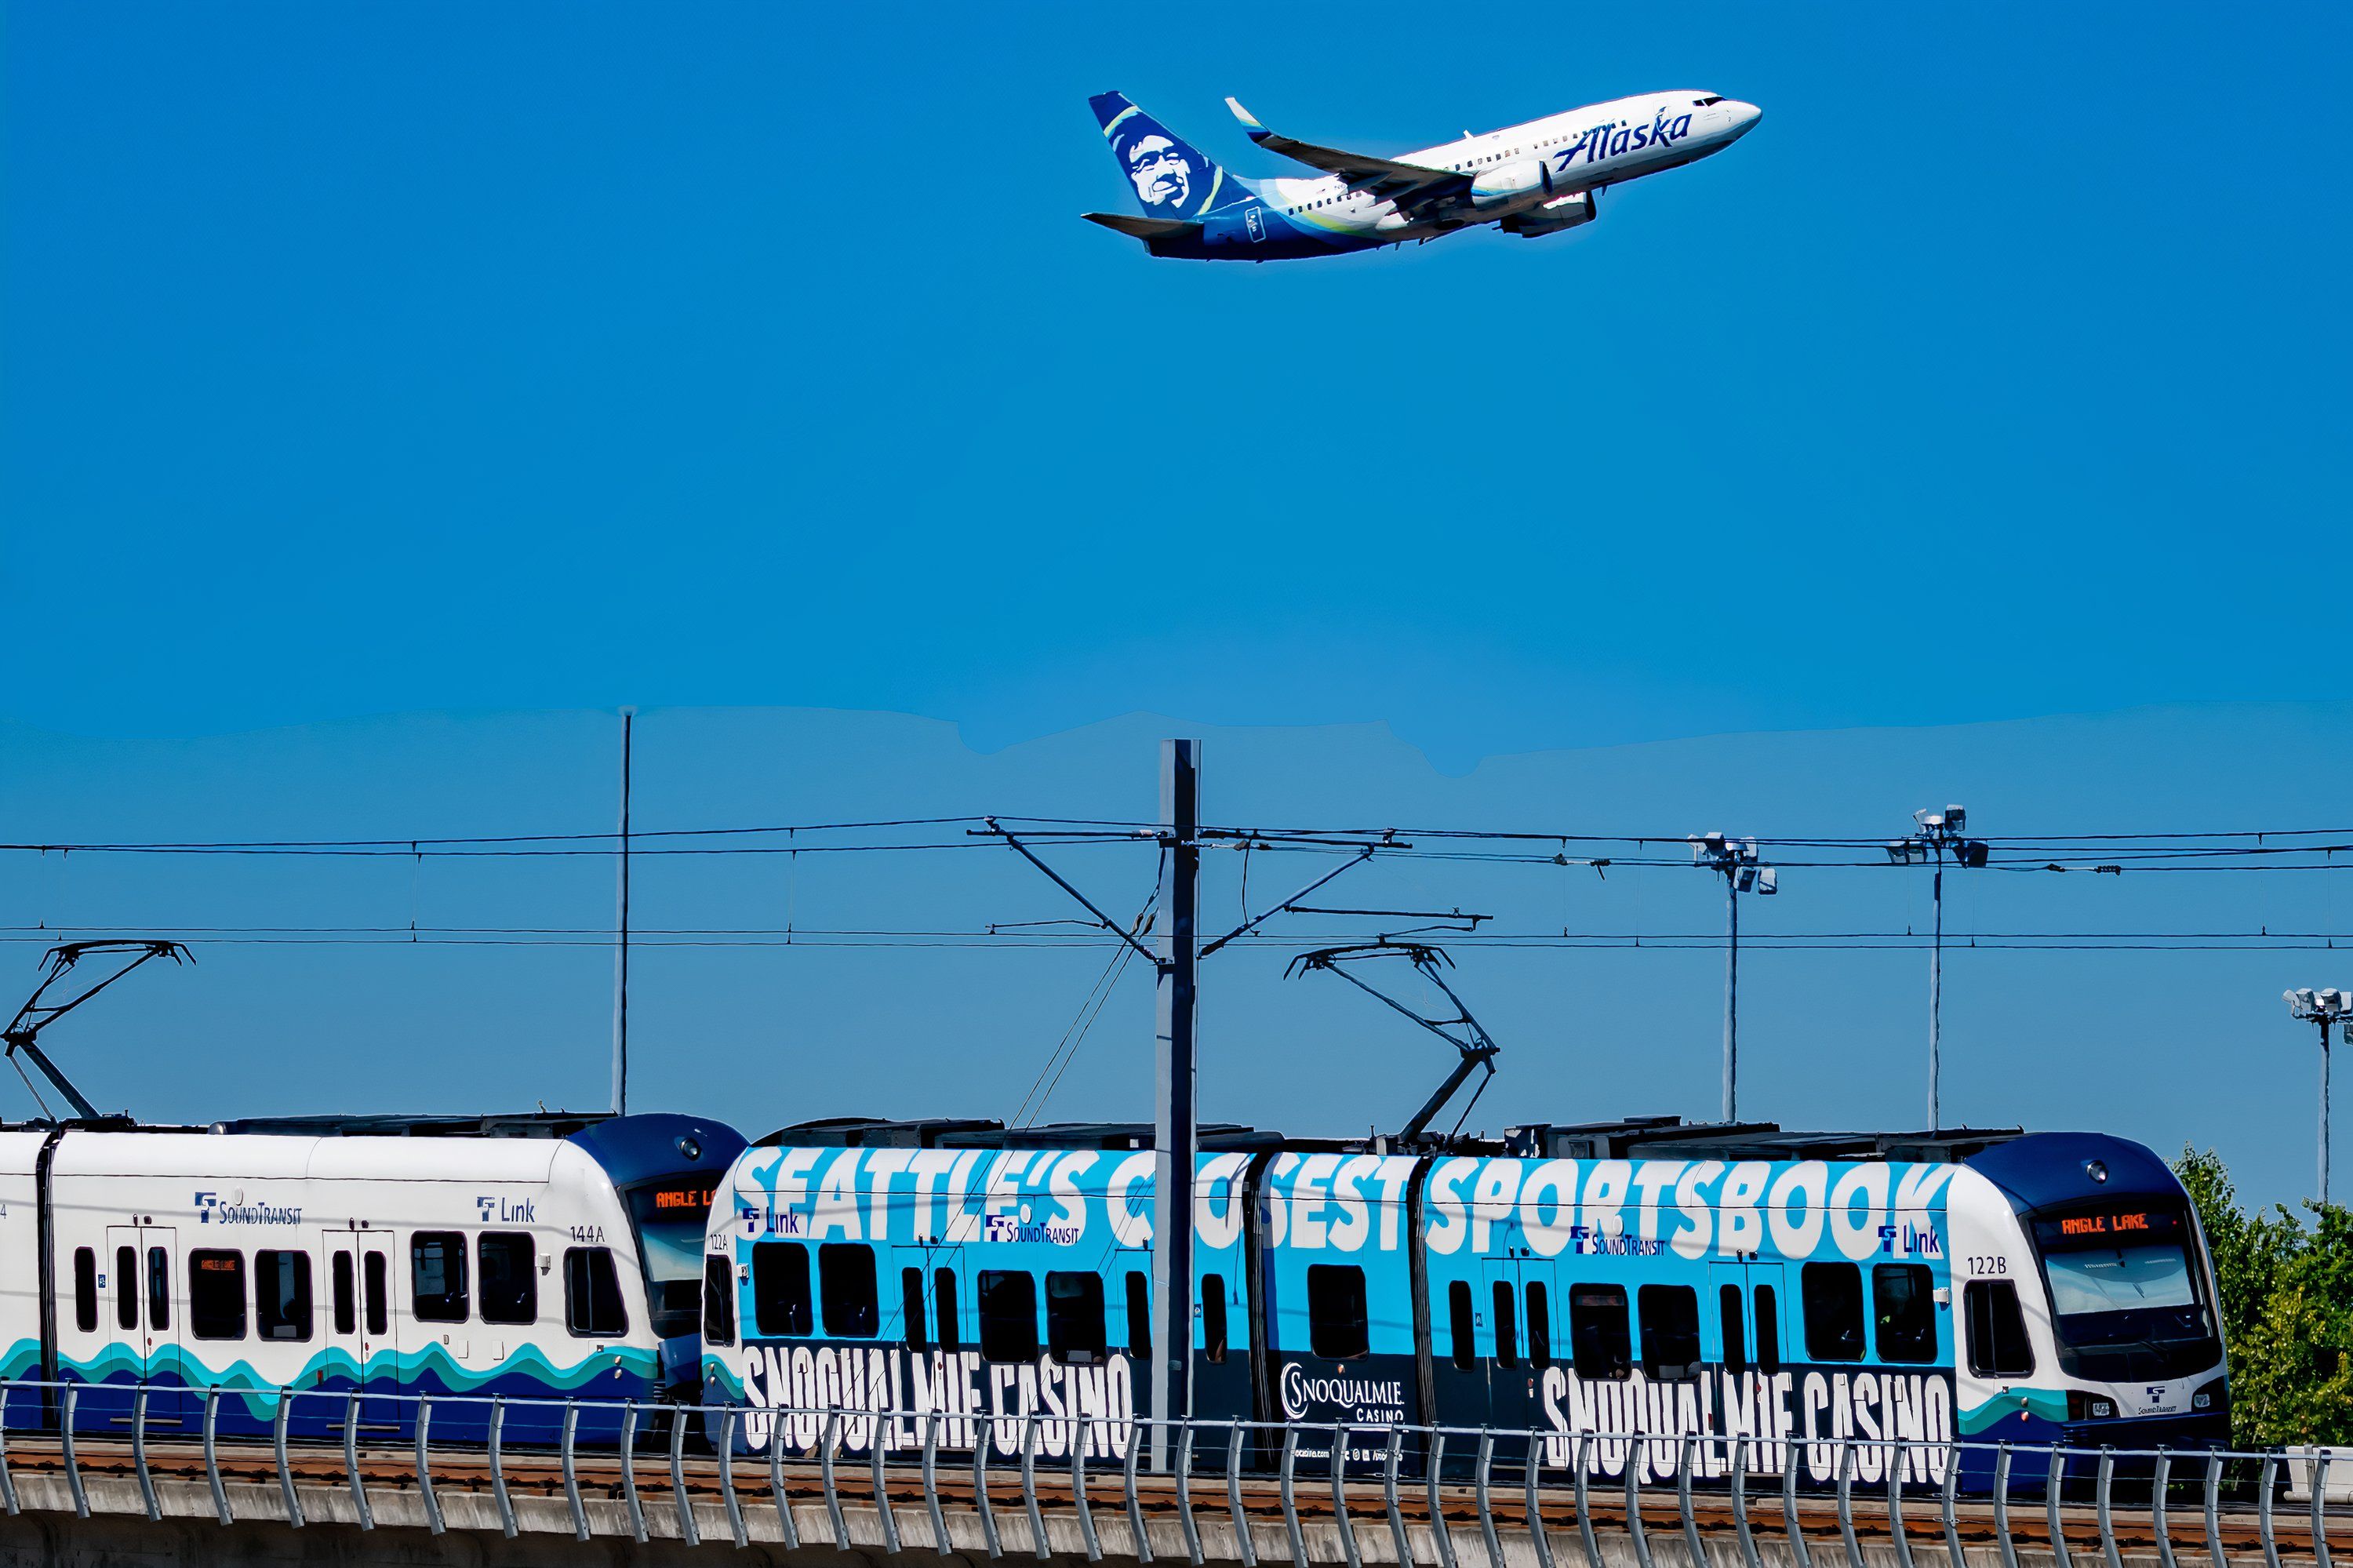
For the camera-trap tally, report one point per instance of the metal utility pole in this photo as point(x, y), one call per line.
point(1174, 1129)
point(1737, 860)
point(1939, 836)
point(1175, 955)
point(2323, 1008)
point(621, 951)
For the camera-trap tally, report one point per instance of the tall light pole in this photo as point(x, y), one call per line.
point(621, 925)
point(1736, 860)
point(1939, 837)
point(2323, 1008)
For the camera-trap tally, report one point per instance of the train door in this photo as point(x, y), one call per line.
point(128, 1283)
point(1767, 1334)
point(1745, 1308)
point(159, 1272)
point(1514, 1378)
point(359, 1318)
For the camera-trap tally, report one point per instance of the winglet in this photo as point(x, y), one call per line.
point(1258, 132)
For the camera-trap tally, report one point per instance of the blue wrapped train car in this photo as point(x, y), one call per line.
point(1642, 1280)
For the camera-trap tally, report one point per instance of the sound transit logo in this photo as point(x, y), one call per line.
point(210, 1209)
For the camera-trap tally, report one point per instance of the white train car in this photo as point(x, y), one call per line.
point(539, 1257)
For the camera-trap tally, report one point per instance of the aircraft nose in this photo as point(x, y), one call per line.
point(1745, 116)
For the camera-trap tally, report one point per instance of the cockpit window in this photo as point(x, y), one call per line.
point(1704, 102)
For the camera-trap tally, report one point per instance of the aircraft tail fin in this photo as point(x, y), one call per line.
point(1170, 177)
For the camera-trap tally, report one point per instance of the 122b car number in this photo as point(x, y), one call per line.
point(1983, 1266)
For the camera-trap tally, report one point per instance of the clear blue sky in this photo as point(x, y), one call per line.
point(361, 359)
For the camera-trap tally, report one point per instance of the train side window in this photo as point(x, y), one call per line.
point(1507, 1326)
point(1998, 1343)
point(910, 1308)
point(943, 1309)
point(844, 1273)
point(376, 1275)
point(1461, 1326)
point(436, 1277)
point(217, 1294)
point(1139, 1313)
point(1736, 1336)
point(509, 1278)
point(159, 1288)
point(1903, 1309)
point(1670, 1315)
point(780, 1289)
point(86, 1290)
point(1768, 1328)
point(281, 1294)
point(126, 1287)
point(718, 1301)
point(1539, 1324)
point(1213, 1319)
point(1600, 1344)
point(1833, 1308)
point(1074, 1318)
point(1336, 1327)
point(593, 1308)
point(339, 1295)
point(1009, 1316)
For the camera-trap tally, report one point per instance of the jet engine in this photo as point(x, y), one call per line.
point(1502, 186)
point(1560, 213)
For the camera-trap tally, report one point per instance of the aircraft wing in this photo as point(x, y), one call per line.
point(1408, 184)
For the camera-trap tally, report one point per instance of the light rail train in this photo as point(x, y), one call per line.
point(1633, 1278)
point(546, 1256)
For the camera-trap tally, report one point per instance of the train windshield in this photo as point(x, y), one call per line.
point(670, 1217)
point(2124, 1294)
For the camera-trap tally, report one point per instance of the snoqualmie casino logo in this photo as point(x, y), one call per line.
point(1363, 1396)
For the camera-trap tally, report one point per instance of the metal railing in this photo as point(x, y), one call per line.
point(1206, 1451)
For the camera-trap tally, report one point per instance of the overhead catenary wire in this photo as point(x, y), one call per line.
point(1089, 938)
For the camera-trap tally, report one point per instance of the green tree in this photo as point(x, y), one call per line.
point(2286, 1304)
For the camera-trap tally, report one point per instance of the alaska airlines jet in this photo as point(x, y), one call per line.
point(1534, 179)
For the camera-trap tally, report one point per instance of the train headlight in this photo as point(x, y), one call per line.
point(2083, 1407)
point(2201, 1400)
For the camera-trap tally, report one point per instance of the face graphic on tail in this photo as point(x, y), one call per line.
point(1163, 176)
point(1172, 178)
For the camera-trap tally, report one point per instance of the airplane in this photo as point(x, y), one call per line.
point(1530, 180)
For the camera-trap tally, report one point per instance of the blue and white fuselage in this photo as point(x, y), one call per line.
point(1532, 179)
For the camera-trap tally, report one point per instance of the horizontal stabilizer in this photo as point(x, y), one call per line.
point(1385, 177)
point(1145, 229)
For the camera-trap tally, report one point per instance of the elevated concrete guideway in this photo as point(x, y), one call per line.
point(110, 1508)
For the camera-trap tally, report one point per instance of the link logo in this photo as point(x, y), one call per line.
point(506, 1211)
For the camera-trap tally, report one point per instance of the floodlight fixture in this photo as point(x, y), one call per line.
point(2324, 1007)
point(1737, 860)
point(1939, 837)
